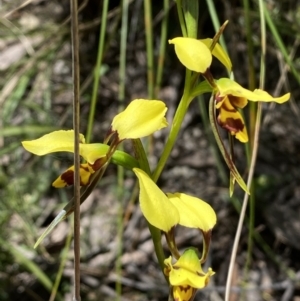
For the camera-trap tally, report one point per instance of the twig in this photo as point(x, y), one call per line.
point(76, 120)
point(253, 158)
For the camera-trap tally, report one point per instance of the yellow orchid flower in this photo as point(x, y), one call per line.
point(63, 141)
point(166, 211)
point(186, 275)
point(141, 118)
point(230, 96)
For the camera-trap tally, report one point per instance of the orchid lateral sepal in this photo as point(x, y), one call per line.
point(219, 53)
point(216, 48)
point(226, 156)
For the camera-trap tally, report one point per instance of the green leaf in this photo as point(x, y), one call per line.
point(61, 215)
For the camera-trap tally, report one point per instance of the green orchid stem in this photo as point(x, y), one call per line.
point(159, 252)
point(176, 125)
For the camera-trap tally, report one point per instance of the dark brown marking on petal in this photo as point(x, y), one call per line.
point(232, 125)
point(226, 108)
point(236, 101)
point(68, 177)
point(184, 288)
point(98, 163)
point(167, 271)
point(218, 98)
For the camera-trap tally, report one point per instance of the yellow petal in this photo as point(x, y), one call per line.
point(63, 141)
point(227, 86)
point(155, 205)
point(219, 53)
point(264, 96)
point(94, 151)
point(58, 141)
point(67, 177)
point(187, 271)
point(141, 118)
point(231, 119)
point(194, 213)
point(183, 293)
point(192, 53)
point(238, 102)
